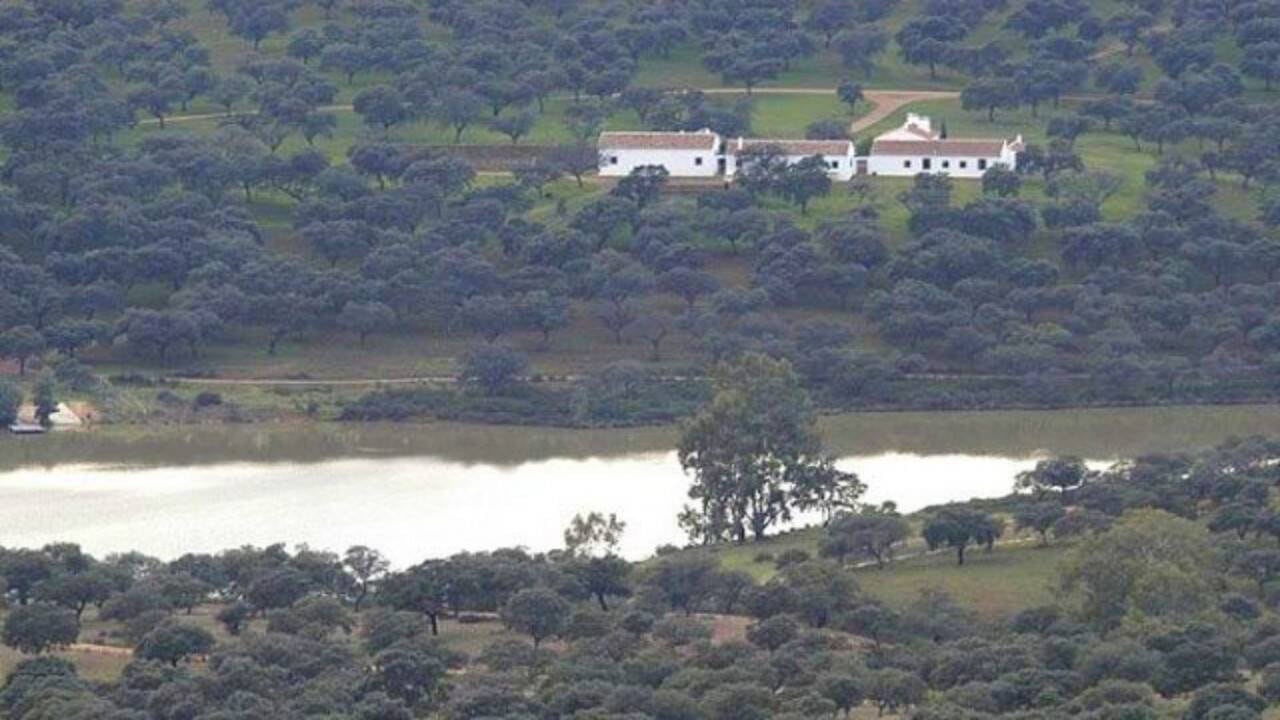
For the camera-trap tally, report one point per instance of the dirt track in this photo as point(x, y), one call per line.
point(885, 102)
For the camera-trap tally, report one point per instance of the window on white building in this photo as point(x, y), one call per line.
point(906, 163)
point(697, 161)
point(964, 164)
point(613, 159)
point(946, 163)
point(927, 164)
point(835, 164)
point(982, 164)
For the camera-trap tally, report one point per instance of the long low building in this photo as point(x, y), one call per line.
point(917, 148)
point(690, 155)
point(907, 151)
point(838, 155)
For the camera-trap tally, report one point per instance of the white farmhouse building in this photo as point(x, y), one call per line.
point(908, 151)
point(917, 148)
point(837, 154)
point(683, 154)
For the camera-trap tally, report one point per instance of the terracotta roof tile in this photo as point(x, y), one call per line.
point(921, 132)
point(658, 141)
point(794, 147)
point(978, 148)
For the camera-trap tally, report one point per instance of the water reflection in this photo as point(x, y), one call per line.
point(1118, 432)
point(420, 491)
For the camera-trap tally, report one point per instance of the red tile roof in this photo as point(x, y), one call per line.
point(794, 147)
point(658, 141)
point(973, 148)
point(920, 132)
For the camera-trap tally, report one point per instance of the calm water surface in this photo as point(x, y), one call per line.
point(418, 491)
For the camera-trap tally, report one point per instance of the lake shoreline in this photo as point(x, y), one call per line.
point(429, 489)
point(1108, 432)
point(239, 405)
point(577, 402)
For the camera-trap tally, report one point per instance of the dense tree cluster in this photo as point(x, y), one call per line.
point(154, 247)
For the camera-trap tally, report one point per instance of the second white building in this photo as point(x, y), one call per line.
point(917, 148)
point(838, 155)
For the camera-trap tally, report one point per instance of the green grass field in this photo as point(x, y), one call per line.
point(1016, 575)
point(97, 668)
point(994, 585)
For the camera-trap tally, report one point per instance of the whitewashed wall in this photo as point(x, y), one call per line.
point(846, 165)
point(680, 163)
point(893, 165)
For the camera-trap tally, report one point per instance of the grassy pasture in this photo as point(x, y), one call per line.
point(1016, 575)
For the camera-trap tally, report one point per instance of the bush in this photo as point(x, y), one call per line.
point(1263, 653)
point(74, 375)
point(173, 642)
point(827, 130)
point(638, 622)
point(383, 628)
point(1239, 607)
point(168, 397)
point(773, 633)
point(680, 631)
point(509, 654)
point(234, 616)
point(38, 627)
point(10, 399)
point(138, 627)
point(1269, 685)
point(1219, 695)
point(494, 369)
point(787, 558)
point(133, 379)
point(207, 399)
point(588, 623)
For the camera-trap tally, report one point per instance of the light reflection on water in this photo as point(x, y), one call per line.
point(424, 491)
point(410, 508)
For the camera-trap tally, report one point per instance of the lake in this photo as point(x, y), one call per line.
point(418, 491)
